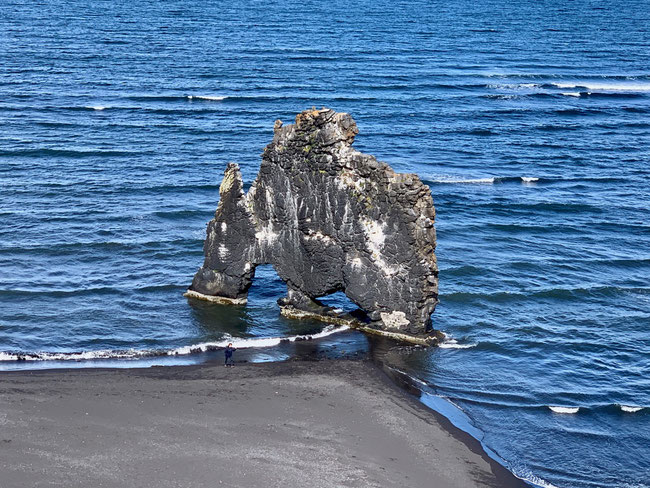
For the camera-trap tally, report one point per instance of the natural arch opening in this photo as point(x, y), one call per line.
point(339, 302)
point(339, 305)
point(266, 287)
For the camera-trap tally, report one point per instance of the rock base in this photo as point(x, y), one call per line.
point(215, 299)
point(338, 319)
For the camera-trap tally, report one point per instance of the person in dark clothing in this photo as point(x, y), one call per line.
point(230, 362)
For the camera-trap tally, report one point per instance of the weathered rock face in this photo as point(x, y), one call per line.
point(328, 218)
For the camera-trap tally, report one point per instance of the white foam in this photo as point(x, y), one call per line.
point(253, 342)
point(535, 480)
point(611, 86)
point(76, 356)
point(630, 409)
point(513, 86)
point(213, 98)
point(570, 94)
point(96, 107)
point(564, 409)
point(413, 378)
point(484, 181)
point(180, 351)
point(451, 343)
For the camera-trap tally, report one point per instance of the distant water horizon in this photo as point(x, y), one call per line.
point(528, 121)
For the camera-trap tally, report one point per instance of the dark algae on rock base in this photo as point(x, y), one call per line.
point(328, 218)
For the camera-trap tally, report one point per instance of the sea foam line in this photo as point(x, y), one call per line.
point(214, 98)
point(485, 181)
point(239, 343)
point(535, 480)
point(625, 87)
point(630, 409)
point(253, 343)
point(451, 343)
point(566, 410)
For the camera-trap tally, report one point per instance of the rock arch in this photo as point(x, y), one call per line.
point(328, 218)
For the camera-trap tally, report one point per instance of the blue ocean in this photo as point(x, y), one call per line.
point(529, 121)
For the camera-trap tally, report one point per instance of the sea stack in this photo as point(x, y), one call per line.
point(328, 218)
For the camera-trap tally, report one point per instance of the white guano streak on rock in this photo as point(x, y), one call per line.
point(375, 239)
point(223, 251)
point(318, 235)
point(265, 234)
point(349, 180)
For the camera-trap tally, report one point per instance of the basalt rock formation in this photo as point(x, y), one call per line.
point(328, 218)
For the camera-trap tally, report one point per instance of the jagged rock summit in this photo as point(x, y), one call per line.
point(328, 218)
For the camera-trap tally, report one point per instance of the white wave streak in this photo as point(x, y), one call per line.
point(630, 409)
point(213, 98)
point(564, 409)
point(454, 345)
point(617, 87)
point(412, 378)
point(78, 356)
point(571, 94)
point(513, 86)
point(451, 343)
point(96, 107)
point(535, 480)
point(484, 181)
point(238, 343)
point(253, 342)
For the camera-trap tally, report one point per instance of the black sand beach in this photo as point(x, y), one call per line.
point(298, 423)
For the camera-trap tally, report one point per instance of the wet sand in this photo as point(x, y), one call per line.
point(325, 423)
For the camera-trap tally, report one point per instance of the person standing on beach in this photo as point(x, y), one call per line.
point(230, 362)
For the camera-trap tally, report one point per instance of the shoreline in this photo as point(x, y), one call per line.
point(342, 422)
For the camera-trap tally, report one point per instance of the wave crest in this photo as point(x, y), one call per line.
point(483, 181)
point(239, 343)
point(451, 343)
point(214, 98)
point(630, 409)
point(566, 410)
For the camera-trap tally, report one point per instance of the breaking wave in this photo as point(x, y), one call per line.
point(451, 343)
point(483, 181)
point(567, 410)
point(578, 89)
point(213, 98)
point(175, 98)
point(606, 86)
point(238, 343)
point(534, 480)
point(630, 409)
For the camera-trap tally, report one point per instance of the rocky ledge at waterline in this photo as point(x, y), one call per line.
point(328, 218)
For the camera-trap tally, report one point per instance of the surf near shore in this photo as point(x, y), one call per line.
point(294, 423)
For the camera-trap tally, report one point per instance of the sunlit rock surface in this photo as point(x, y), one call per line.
point(328, 218)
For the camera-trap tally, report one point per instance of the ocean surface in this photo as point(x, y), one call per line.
point(530, 122)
